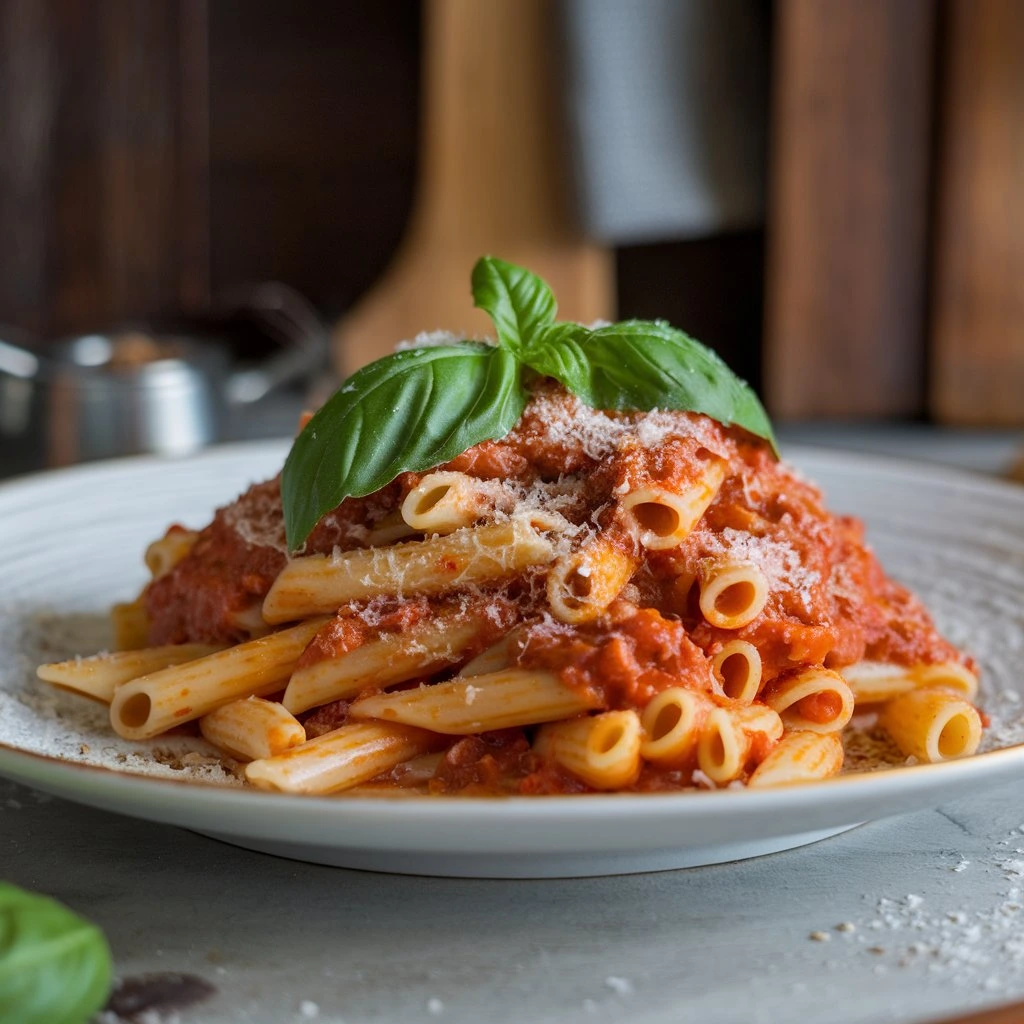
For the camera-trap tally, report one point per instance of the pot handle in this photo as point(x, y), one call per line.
point(290, 317)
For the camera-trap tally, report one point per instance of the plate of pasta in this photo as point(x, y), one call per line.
point(574, 616)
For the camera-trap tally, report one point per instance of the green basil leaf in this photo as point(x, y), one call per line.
point(519, 302)
point(560, 351)
point(54, 967)
point(408, 411)
point(639, 365)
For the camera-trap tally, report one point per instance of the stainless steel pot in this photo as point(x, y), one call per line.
point(135, 390)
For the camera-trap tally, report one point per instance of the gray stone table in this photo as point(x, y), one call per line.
point(897, 921)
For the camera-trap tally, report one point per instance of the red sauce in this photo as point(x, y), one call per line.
point(349, 630)
point(830, 604)
point(820, 707)
point(622, 665)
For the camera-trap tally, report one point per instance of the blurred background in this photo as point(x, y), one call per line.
point(213, 209)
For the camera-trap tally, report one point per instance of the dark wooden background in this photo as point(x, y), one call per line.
point(156, 153)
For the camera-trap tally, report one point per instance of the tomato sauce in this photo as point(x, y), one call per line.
point(829, 602)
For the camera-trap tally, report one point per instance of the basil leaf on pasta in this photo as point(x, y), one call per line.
point(54, 966)
point(640, 365)
point(518, 301)
point(406, 412)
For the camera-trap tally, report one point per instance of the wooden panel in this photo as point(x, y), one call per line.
point(313, 113)
point(848, 202)
point(712, 287)
point(492, 179)
point(978, 371)
point(90, 173)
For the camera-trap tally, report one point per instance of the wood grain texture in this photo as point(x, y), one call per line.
point(493, 179)
point(313, 124)
point(90, 175)
point(978, 304)
point(848, 202)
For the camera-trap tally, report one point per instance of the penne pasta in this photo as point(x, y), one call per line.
point(737, 667)
point(932, 724)
point(602, 750)
point(393, 658)
point(874, 682)
point(950, 675)
point(732, 594)
point(722, 747)
point(672, 723)
point(164, 554)
point(445, 502)
point(100, 676)
point(341, 759)
point(131, 625)
point(618, 598)
point(389, 529)
point(497, 656)
point(317, 583)
point(154, 703)
point(665, 518)
point(498, 700)
point(581, 585)
point(799, 757)
point(252, 728)
point(816, 700)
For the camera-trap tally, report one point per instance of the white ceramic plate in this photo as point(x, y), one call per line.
point(71, 543)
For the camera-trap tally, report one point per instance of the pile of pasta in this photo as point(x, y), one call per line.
point(596, 602)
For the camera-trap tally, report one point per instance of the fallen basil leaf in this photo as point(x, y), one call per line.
point(409, 411)
point(54, 966)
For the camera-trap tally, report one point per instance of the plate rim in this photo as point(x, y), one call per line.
point(718, 804)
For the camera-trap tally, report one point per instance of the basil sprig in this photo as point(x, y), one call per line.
point(54, 966)
point(415, 409)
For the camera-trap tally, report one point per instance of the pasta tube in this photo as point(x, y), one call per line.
point(341, 759)
point(448, 501)
point(799, 757)
point(252, 728)
point(874, 682)
point(737, 667)
point(816, 699)
point(157, 702)
point(732, 594)
point(665, 518)
point(602, 750)
point(497, 700)
point(672, 723)
point(131, 625)
point(582, 585)
point(426, 647)
point(164, 554)
point(932, 724)
point(723, 747)
point(100, 676)
point(317, 584)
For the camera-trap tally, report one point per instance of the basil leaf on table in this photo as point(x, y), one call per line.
point(518, 301)
point(54, 966)
point(409, 411)
point(639, 365)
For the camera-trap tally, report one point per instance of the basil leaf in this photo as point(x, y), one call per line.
point(639, 365)
point(519, 302)
point(560, 351)
point(54, 966)
point(408, 411)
